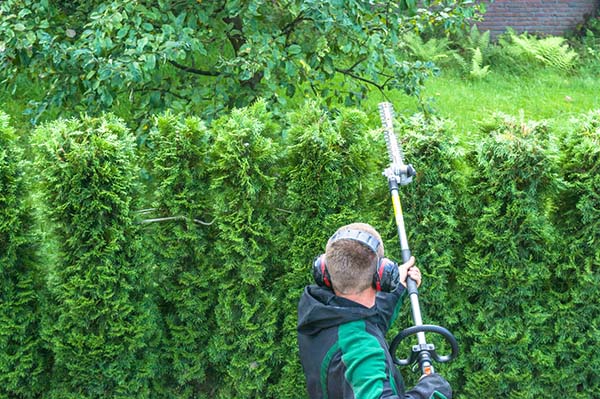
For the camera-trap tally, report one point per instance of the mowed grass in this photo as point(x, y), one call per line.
point(545, 94)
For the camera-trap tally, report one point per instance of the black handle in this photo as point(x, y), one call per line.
point(427, 350)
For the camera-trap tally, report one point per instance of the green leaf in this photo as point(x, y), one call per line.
point(294, 49)
point(122, 32)
point(150, 62)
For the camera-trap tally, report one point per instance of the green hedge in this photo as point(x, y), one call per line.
point(177, 224)
point(23, 358)
point(577, 217)
point(507, 280)
point(104, 329)
point(174, 271)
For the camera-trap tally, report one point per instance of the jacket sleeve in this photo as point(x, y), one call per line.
point(388, 306)
point(433, 386)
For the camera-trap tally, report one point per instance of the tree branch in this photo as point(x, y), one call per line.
point(193, 70)
point(358, 77)
point(289, 28)
point(237, 40)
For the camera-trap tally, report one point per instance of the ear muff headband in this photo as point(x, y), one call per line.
point(357, 235)
point(386, 277)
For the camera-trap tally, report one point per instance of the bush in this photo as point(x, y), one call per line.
point(577, 215)
point(243, 192)
point(103, 321)
point(24, 360)
point(181, 239)
point(506, 282)
point(329, 171)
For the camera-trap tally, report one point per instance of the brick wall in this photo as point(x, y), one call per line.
point(551, 17)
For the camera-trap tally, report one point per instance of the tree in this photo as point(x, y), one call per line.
point(181, 244)
point(212, 55)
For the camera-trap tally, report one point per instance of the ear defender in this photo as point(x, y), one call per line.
point(386, 277)
point(320, 272)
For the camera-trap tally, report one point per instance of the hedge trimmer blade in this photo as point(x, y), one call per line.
point(386, 112)
point(398, 170)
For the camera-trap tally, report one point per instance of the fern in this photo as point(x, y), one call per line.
point(475, 49)
point(554, 52)
point(551, 51)
point(478, 70)
point(434, 49)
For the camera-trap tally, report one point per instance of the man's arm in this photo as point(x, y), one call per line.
point(365, 363)
point(389, 304)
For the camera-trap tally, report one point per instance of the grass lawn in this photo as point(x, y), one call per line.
point(545, 95)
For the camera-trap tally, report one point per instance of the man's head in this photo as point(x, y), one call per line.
point(351, 263)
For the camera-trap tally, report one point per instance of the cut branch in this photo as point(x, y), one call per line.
point(166, 219)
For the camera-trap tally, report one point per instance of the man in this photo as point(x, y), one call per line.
point(342, 321)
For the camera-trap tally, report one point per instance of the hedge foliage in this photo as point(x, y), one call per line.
point(577, 216)
point(23, 360)
point(174, 270)
point(103, 329)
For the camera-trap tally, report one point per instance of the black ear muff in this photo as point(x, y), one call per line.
point(387, 275)
point(320, 272)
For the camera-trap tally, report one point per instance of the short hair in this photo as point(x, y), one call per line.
point(350, 263)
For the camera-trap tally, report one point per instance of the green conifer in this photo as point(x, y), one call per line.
point(23, 359)
point(181, 235)
point(506, 281)
point(577, 282)
point(104, 328)
point(243, 192)
point(329, 171)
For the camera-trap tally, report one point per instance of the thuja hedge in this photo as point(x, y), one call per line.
point(577, 217)
point(103, 329)
point(23, 360)
point(182, 281)
point(507, 277)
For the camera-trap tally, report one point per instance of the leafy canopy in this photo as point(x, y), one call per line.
point(214, 55)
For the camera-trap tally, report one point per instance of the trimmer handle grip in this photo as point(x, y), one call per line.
point(429, 348)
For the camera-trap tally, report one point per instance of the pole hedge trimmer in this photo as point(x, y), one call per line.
point(399, 173)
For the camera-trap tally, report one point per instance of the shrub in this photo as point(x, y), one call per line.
point(181, 234)
point(103, 326)
point(329, 171)
point(577, 216)
point(506, 282)
point(244, 197)
point(432, 207)
point(23, 358)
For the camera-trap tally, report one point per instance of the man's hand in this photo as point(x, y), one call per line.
point(409, 269)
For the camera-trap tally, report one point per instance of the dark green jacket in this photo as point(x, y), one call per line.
point(344, 353)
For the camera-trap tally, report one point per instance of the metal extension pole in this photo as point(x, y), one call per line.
point(411, 285)
point(400, 173)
